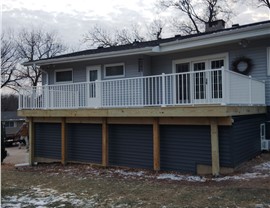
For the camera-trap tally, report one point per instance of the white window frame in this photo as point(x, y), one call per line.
point(208, 58)
point(268, 61)
point(62, 70)
point(117, 76)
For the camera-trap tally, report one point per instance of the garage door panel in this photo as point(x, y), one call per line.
point(131, 146)
point(85, 143)
point(47, 140)
point(183, 147)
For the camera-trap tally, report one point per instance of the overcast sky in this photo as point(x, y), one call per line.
point(73, 18)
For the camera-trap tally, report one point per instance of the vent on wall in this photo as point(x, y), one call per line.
point(265, 144)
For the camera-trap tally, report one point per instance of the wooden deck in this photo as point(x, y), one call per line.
point(148, 112)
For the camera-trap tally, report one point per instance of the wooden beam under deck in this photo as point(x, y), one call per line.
point(156, 144)
point(223, 121)
point(63, 141)
point(215, 147)
point(105, 143)
point(174, 111)
point(31, 141)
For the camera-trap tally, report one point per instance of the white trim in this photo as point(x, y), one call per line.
point(268, 61)
point(116, 76)
point(92, 68)
point(224, 56)
point(61, 70)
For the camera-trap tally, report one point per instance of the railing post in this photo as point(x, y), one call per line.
point(250, 90)
point(225, 95)
point(163, 91)
point(98, 93)
point(46, 97)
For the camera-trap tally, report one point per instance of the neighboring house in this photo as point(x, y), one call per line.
point(12, 124)
point(189, 103)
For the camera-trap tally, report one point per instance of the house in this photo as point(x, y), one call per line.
point(190, 103)
point(12, 124)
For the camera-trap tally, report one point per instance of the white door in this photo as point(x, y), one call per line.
point(182, 83)
point(208, 85)
point(216, 79)
point(93, 86)
point(200, 82)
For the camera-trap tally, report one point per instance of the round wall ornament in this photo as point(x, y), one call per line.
point(242, 65)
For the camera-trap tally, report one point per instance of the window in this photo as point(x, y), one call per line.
point(64, 75)
point(114, 70)
point(9, 124)
point(268, 61)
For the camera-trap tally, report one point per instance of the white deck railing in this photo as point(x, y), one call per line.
point(201, 87)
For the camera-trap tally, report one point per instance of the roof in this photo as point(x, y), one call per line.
point(10, 116)
point(147, 46)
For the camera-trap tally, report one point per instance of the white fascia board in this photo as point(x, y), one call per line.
point(110, 54)
point(214, 38)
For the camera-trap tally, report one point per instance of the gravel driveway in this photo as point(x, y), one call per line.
point(16, 155)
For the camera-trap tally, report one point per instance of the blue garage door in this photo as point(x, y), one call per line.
point(131, 146)
point(47, 142)
point(84, 143)
point(182, 148)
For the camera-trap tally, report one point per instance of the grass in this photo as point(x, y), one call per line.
point(87, 186)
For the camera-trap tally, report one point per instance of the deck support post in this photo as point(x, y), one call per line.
point(215, 147)
point(156, 144)
point(63, 141)
point(31, 141)
point(105, 143)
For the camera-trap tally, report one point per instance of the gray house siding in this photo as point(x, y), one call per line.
point(226, 146)
point(257, 52)
point(241, 141)
point(79, 68)
point(246, 134)
point(84, 143)
point(131, 146)
point(47, 140)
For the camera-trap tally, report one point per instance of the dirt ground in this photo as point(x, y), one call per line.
point(78, 185)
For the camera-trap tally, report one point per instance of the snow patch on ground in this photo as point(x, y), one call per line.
point(182, 178)
point(127, 173)
point(41, 198)
point(245, 176)
point(263, 166)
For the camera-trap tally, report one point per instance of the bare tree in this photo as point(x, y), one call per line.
point(197, 13)
point(8, 60)
point(35, 45)
point(156, 28)
point(100, 37)
point(265, 3)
